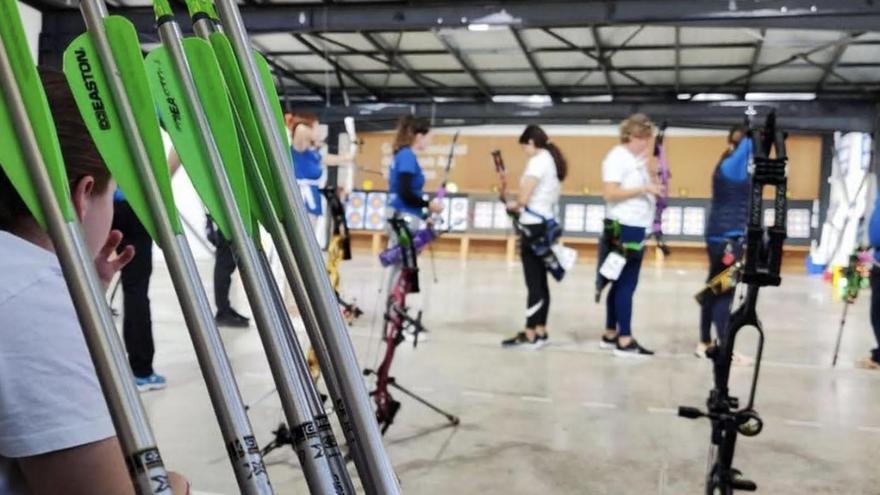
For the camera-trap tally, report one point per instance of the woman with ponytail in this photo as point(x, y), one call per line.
point(630, 195)
point(537, 201)
point(406, 180)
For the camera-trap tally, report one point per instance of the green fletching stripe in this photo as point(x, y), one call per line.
point(30, 86)
point(243, 108)
point(218, 107)
point(179, 115)
point(162, 9)
point(271, 92)
point(195, 7)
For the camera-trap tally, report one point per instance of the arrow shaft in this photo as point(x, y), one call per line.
point(375, 469)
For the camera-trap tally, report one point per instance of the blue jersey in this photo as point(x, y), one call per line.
point(729, 208)
point(308, 170)
point(874, 229)
point(405, 162)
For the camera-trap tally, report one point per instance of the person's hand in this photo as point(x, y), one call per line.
point(435, 206)
point(653, 188)
point(179, 484)
point(107, 262)
point(512, 206)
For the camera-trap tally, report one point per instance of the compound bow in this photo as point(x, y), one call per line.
point(399, 321)
point(762, 262)
point(663, 176)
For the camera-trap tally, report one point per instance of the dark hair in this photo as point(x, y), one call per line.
point(733, 130)
point(81, 156)
point(407, 128)
point(539, 138)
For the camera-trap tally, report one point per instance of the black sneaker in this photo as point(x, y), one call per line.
point(632, 350)
point(520, 340)
point(607, 344)
point(231, 318)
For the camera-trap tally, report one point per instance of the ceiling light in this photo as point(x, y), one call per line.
point(713, 97)
point(529, 99)
point(588, 99)
point(479, 27)
point(780, 96)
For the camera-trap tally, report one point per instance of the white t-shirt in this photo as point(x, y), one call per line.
point(50, 398)
point(630, 172)
point(545, 196)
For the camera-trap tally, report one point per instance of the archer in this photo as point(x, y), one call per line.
point(760, 268)
point(725, 231)
point(534, 211)
point(408, 209)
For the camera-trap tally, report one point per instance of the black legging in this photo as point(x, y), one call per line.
point(137, 326)
point(716, 308)
point(538, 302)
point(224, 266)
point(875, 310)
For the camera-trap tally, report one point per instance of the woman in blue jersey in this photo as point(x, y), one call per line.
point(725, 230)
point(308, 162)
point(406, 180)
point(873, 361)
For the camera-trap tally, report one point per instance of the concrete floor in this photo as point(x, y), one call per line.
point(568, 419)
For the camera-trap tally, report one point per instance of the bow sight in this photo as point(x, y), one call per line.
point(763, 259)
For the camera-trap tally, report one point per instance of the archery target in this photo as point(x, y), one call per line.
point(799, 223)
point(355, 209)
point(374, 217)
point(458, 214)
point(444, 217)
point(693, 221)
point(595, 219)
point(672, 220)
point(484, 212)
point(500, 219)
point(575, 218)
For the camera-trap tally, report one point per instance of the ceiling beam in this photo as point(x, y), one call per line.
point(315, 90)
point(533, 64)
point(789, 60)
point(397, 16)
point(457, 55)
point(828, 70)
point(603, 62)
point(395, 61)
point(335, 64)
point(756, 56)
point(677, 60)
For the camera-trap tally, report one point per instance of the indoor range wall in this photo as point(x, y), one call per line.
point(692, 155)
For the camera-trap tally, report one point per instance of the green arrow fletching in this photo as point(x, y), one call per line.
point(86, 76)
point(241, 101)
point(178, 114)
point(30, 86)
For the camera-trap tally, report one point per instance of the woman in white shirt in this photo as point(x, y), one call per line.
point(536, 202)
point(629, 192)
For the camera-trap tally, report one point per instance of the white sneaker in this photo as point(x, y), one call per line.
point(701, 349)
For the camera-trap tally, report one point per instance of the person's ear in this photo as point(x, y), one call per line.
point(81, 193)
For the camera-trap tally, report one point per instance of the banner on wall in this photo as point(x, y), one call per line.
point(852, 181)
